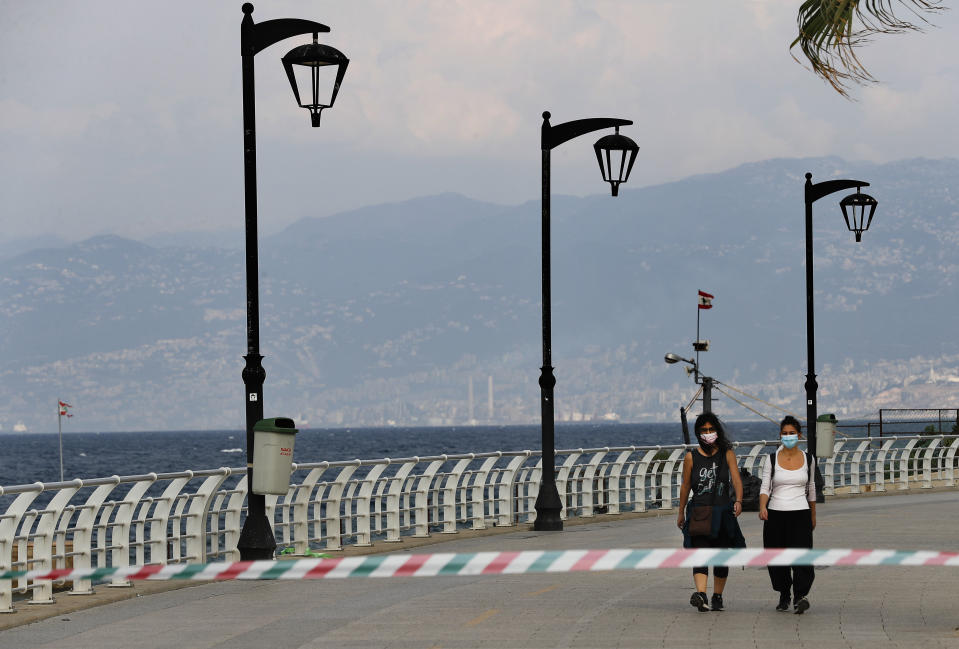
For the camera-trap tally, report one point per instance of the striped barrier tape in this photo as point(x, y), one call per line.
point(496, 563)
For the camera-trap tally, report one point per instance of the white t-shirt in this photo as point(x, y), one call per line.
point(791, 489)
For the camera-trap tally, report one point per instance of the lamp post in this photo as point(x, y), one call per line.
point(256, 539)
point(616, 154)
point(854, 210)
point(698, 378)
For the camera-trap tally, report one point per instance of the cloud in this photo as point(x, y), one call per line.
point(141, 127)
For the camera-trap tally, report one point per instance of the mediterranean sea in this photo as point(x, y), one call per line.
point(34, 457)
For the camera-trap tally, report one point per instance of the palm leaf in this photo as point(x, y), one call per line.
point(831, 30)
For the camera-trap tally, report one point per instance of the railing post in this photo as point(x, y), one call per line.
point(301, 509)
point(639, 483)
point(615, 475)
point(504, 491)
point(927, 456)
point(588, 494)
point(904, 460)
point(829, 471)
point(196, 542)
point(880, 463)
point(750, 460)
point(83, 535)
point(950, 459)
point(667, 478)
point(9, 523)
point(562, 484)
point(450, 487)
point(393, 493)
point(477, 492)
point(421, 514)
point(854, 467)
point(335, 504)
point(120, 555)
point(364, 506)
point(160, 519)
point(43, 541)
point(232, 519)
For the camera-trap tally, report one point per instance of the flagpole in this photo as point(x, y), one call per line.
point(60, 435)
point(698, 311)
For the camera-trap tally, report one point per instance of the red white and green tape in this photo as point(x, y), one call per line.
point(498, 563)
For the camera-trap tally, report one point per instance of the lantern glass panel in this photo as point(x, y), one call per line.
point(315, 83)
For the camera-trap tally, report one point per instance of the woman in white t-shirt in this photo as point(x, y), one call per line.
point(787, 504)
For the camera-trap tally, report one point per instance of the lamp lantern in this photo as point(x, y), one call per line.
point(616, 154)
point(314, 56)
point(854, 209)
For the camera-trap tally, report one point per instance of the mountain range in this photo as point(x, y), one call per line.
point(383, 315)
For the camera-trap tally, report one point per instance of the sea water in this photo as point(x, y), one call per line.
point(34, 457)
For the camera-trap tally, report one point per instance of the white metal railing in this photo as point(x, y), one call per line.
point(197, 515)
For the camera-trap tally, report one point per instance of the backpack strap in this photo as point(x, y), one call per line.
point(772, 467)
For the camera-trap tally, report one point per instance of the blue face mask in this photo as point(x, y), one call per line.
point(789, 441)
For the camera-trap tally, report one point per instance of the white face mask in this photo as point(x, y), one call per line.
point(709, 438)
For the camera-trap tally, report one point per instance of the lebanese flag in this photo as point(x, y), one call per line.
point(63, 408)
point(705, 300)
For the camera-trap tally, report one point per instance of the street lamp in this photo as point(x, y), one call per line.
point(616, 154)
point(256, 539)
point(854, 208)
point(706, 381)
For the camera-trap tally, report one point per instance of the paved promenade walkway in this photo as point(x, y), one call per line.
point(873, 608)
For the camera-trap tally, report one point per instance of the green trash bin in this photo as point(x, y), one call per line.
point(273, 441)
point(825, 434)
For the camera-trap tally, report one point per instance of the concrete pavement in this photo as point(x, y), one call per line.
point(851, 607)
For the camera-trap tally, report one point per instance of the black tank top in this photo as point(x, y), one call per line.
point(710, 475)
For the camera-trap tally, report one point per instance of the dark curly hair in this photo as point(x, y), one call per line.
point(789, 420)
point(722, 443)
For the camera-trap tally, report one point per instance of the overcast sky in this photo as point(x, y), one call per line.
point(124, 116)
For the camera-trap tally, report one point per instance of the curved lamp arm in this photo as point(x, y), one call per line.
point(256, 37)
point(553, 136)
point(817, 191)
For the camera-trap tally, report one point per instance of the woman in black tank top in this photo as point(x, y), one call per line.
point(711, 473)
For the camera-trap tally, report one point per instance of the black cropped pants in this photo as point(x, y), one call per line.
point(706, 542)
point(790, 529)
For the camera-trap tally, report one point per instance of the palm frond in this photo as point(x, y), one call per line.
point(831, 30)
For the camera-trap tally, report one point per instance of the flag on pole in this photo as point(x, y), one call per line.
point(64, 408)
point(705, 300)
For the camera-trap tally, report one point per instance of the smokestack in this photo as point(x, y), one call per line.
point(489, 397)
point(471, 401)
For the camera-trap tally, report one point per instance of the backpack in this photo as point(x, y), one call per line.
point(751, 487)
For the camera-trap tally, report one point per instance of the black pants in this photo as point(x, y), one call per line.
point(789, 529)
point(707, 542)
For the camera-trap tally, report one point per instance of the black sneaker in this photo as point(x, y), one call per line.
point(716, 603)
point(783, 604)
point(699, 601)
point(801, 606)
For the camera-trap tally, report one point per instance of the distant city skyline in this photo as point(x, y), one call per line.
point(387, 316)
point(124, 118)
